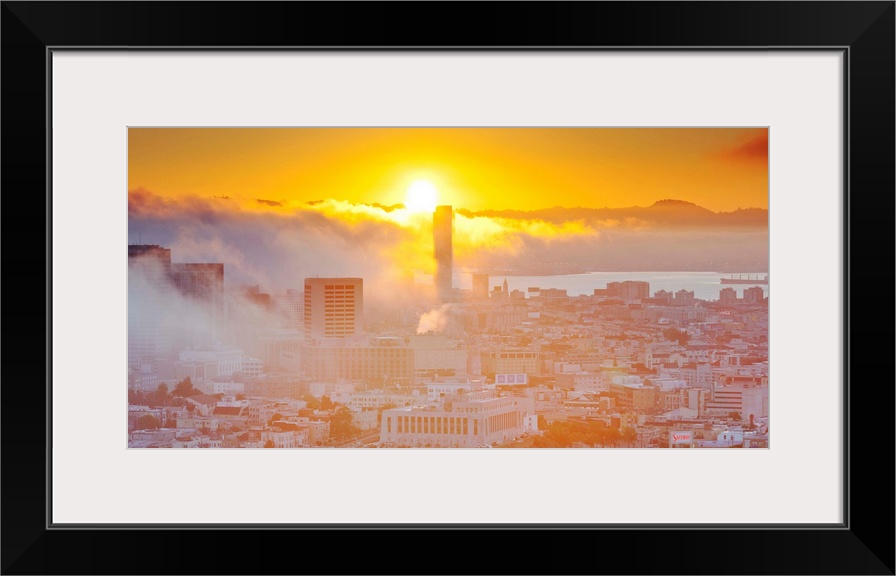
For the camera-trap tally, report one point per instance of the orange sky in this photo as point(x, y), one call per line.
point(475, 168)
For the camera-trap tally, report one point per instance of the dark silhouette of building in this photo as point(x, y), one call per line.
point(442, 228)
point(171, 306)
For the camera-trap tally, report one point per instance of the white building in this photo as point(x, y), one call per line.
point(143, 377)
point(226, 360)
point(582, 381)
point(738, 399)
point(437, 355)
point(156, 437)
point(198, 423)
point(380, 398)
point(228, 388)
point(252, 367)
point(466, 421)
point(436, 392)
point(666, 383)
point(364, 419)
point(295, 438)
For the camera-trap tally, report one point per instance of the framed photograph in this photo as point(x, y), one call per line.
point(160, 125)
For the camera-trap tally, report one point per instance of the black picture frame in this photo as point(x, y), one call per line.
point(864, 31)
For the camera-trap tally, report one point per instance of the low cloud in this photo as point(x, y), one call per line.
point(278, 245)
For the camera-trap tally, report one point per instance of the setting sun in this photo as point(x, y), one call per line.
point(421, 197)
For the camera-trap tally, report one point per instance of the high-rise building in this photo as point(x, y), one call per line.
point(664, 295)
point(334, 307)
point(480, 286)
point(170, 306)
point(630, 289)
point(203, 285)
point(149, 267)
point(289, 309)
point(685, 297)
point(753, 295)
point(149, 257)
point(727, 296)
point(442, 226)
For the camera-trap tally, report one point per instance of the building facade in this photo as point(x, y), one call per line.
point(171, 306)
point(480, 286)
point(333, 307)
point(467, 421)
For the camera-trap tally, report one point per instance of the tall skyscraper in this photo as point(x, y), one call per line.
point(334, 307)
point(203, 284)
point(442, 227)
point(150, 257)
point(171, 306)
point(149, 270)
point(290, 309)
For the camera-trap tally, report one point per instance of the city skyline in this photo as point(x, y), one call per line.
point(544, 207)
point(445, 320)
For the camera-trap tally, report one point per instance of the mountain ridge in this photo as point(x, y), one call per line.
point(668, 212)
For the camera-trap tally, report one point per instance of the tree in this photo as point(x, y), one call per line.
point(594, 438)
point(629, 434)
point(183, 388)
point(613, 436)
point(161, 395)
point(147, 422)
point(560, 434)
point(341, 423)
point(576, 437)
point(676, 334)
point(269, 443)
point(312, 402)
point(326, 403)
point(543, 442)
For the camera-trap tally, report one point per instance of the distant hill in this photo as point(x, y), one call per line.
point(664, 214)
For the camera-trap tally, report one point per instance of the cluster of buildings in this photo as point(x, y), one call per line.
point(316, 368)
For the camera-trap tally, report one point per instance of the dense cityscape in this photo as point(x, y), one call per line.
point(217, 365)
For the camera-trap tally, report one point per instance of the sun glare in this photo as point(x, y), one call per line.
point(421, 197)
